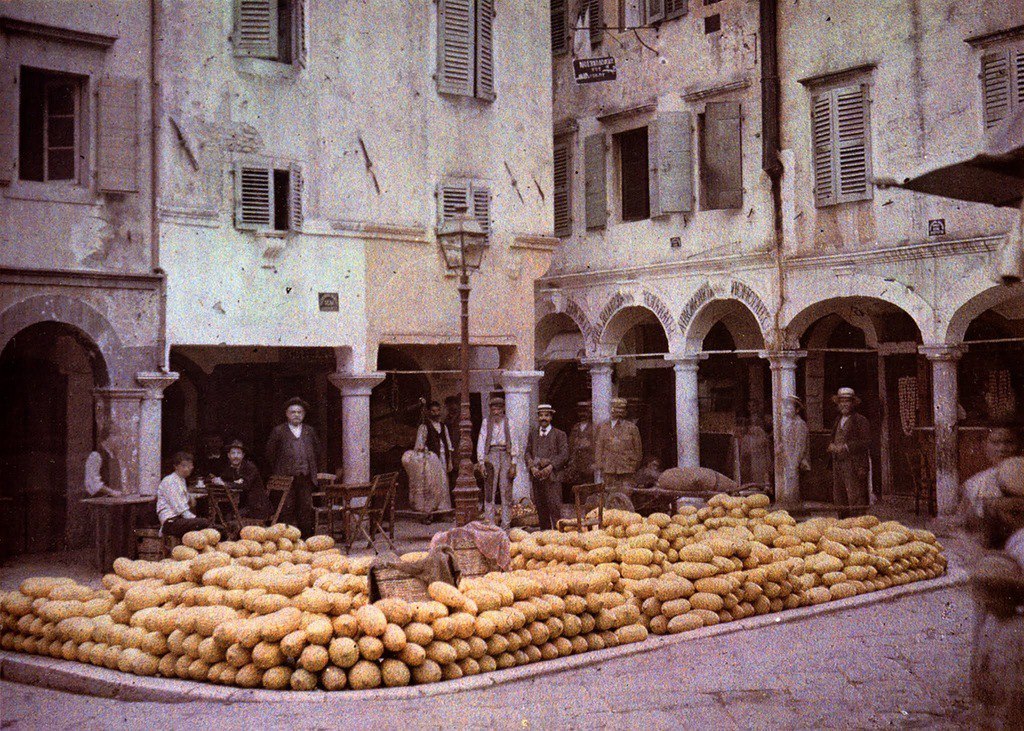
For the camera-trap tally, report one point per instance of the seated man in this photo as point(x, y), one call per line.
point(173, 504)
point(241, 474)
point(647, 477)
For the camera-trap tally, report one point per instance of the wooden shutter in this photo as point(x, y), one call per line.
point(1017, 57)
point(676, 8)
point(563, 188)
point(594, 181)
point(118, 141)
point(995, 86)
point(559, 36)
point(670, 163)
point(822, 149)
point(256, 28)
point(722, 157)
point(452, 196)
point(9, 108)
point(456, 49)
point(655, 10)
point(299, 31)
point(295, 195)
point(481, 195)
point(254, 197)
point(485, 49)
point(596, 14)
point(852, 135)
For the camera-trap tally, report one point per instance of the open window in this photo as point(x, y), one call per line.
point(50, 145)
point(271, 29)
point(268, 198)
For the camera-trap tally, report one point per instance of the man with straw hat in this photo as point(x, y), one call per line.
point(547, 453)
point(618, 450)
point(795, 436)
point(850, 450)
point(496, 447)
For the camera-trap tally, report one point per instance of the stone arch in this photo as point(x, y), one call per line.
point(615, 318)
point(713, 303)
point(96, 332)
point(621, 322)
point(975, 306)
point(857, 310)
point(557, 303)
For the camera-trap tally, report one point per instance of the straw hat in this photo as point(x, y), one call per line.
point(846, 393)
point(545, 408)
point(619, 402)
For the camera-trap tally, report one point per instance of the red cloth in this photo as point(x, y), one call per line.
point(490, 540)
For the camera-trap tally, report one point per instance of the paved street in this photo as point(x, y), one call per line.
point(900, 664)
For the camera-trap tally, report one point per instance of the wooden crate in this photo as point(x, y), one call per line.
point(388, 583)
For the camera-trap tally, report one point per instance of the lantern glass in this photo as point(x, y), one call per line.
point(463, 242)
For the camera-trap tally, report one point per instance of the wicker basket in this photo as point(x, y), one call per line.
point(149, 544)
point(523, 514)
point(469, 560)
point(387, 583)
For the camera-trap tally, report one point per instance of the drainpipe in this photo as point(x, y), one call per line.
point(154, 183)
point(771, 163)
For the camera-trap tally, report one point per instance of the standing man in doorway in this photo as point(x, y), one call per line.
point(293, 449)
point(497, 453)
point(452, 420)
point(547, 453)
point(581, 446)
point(618, 450)
point(850, 450)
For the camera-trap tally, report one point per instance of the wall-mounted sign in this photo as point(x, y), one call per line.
point(328, 301)
point(590, 70)
point(675, 242)
point(937, 227)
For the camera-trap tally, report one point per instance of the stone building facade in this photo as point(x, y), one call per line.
point(806, 276)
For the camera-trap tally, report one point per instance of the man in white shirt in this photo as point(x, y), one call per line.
point(497, 449)
point(173, 504)
point(1001, 443)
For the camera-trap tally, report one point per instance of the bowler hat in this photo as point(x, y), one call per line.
point(296, 401)
point(846, 393)
point(497, 401)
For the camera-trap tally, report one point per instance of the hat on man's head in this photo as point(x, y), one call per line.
point(496, 401)
point(545, 408)
point(619, 402)
point(795, 400)
point(846, 393)
point(584, 404)
point(234, 444)
point(296, 401)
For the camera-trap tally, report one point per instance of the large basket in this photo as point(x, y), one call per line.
point(388, 583)
point(469, 560)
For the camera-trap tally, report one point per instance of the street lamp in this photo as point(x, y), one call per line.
point(463, 242)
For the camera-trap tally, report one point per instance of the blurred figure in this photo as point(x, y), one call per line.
point(851, 460)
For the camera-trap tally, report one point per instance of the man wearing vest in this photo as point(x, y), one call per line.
point(617, 450)
point(294, 449)
point(851, 441)
point(496, 448)
point(547, 453)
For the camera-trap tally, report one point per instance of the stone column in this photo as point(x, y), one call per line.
point(355, 422)
point(154, 383)
point(519, 388)
point(687, 409)
point(944, 360)
point(782, 364)
point(600, 387)
point(118, 412)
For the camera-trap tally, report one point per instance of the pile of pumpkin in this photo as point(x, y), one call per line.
point(734, 558)
point(275, 611)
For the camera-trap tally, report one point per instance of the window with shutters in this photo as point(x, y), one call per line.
point(268, 198)
point(841, 144)
point(461, 194)
point(659, 10)
point(631, 13)
point(721, 156)
point(50, 145)
point(1002, 82)
point(635, 192)
point(563, 186)
point(465, 48)
point(271, 29)
point(559, 32)
point(592, 18)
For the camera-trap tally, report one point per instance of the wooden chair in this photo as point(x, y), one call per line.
point(329, 510)
point(281, 486)
point(582, 495)
point(353, 515)
point(224, 510)
point(387, 487)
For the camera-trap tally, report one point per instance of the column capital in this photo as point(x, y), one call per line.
point(355, 384)
point(941, 352)
point(782, 358)
point(520, 381)
point(685, 362)
point(112, 393)
point(598, 364)
point(155, 382)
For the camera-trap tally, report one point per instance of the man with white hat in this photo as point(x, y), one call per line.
point(618, 449)
point(547, 453)
point(496, 447)
point(850, 450)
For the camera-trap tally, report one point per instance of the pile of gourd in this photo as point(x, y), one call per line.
point(733, 559)
point(275, 611)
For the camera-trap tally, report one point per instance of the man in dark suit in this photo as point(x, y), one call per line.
point(547, 453)
point(242, 474)
point(850, 450)
point(294, 449)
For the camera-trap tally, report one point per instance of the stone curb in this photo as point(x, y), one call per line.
point(79, 678)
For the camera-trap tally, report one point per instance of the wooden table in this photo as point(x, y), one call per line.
point(115, 518)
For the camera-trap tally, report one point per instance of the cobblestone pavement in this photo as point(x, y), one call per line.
point(897, 664)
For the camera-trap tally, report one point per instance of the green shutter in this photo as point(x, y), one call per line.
point(256, 28)
point(299, 31)
point(254, 197)
point(995, 86)
point(559, 36)
point(9, 105)
point(563, 187)
point(485, 49)
point(452, 196)
point(853, 158)
point(676, 8)
point(595, 181)
point(596, 12)
point(655, 11)
point(670, 162)
point(823, 147)
point(721, 156)
point(480, 194)
point(117, 155)
point(296, 212)
point(456, 47)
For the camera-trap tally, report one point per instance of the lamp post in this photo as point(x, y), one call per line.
point(463, 242)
